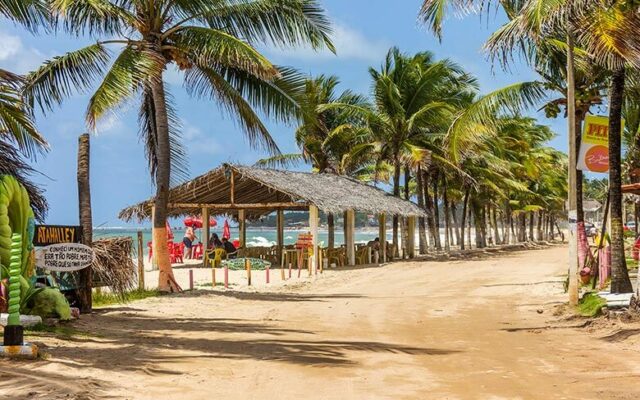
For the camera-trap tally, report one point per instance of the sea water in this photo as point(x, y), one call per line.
point(263, 237)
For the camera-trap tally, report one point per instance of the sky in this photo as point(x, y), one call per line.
point(364, 30)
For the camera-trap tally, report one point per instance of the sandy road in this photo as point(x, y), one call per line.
point(423, 330)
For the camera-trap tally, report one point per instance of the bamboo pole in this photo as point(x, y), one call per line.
point(247, 266)
point(411, 236)
point(349, 240)
point(140, 262)
point(243, 228)
point(205, 236)
point(313, 226)
point(382, 236)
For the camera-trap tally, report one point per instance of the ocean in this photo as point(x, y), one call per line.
point(264, 237)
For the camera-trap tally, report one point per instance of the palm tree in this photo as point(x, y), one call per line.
point(212, 42)
point(330, 141)
point(19, 135)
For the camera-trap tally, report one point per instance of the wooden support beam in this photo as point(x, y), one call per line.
point(154, 258)
point(250, 206)
point(350, 227)
point(205, 236)
point(280, 232)
point(411, 236)
point(140, 261)
point(382, 235)
point(243, 228)
point(313, 226)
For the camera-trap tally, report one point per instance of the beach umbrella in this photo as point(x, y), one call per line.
point(196, 223)
point(226, 232)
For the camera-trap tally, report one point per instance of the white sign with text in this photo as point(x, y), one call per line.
point(64, 257)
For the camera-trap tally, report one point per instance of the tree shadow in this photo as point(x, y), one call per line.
point(269, 296)
point(621, 335)
point(24, 380)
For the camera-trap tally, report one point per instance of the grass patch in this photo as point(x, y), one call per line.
point(591, 305)
point(101, 299)
point(218, 284)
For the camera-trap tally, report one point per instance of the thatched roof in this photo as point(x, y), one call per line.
point(274, 189)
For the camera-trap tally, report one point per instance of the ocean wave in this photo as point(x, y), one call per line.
point(260, 241)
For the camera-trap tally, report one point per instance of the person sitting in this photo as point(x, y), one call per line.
point(374, 244)
point(229, 248)
point(188, 239)
point(214, 242)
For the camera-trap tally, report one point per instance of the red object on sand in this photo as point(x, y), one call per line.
point(236, 243)
point(196, 223)
point(226, 232)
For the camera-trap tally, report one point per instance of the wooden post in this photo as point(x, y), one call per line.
point(243, 228)
point(226, 276)
point(140, 262)
point(267, 272)
point(247, 266)
point(289, 270)
point(205, 236)
point(190, 279)
point(350, 224)
point(213, 277)
point(411, 236)
point(313, 226)
point(84, 212)
point(154, 262)
point(382, 236)
point(280, 234)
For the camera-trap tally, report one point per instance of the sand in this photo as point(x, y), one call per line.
point(475, 329)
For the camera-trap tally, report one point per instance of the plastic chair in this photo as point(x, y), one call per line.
point(197, 251)
point(216, 256)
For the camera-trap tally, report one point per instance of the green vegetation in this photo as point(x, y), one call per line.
point(591, 305)
point(101, 299)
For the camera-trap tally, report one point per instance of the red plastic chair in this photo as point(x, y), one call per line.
point(197, 251)
point(178, 253)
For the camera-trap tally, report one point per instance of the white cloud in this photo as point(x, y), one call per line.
point(349, 43)
point(15, 57)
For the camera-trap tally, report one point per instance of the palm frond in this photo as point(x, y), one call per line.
point(63, 76)
point(284, 161)
point(12, 164)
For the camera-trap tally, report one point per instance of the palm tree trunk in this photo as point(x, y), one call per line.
point(539, 227)
point(481, 237)
point(620, 282)
point(508, 223)
point(422, 234)
point(331, 231)
point(396, 192)
point(85, 276)
point(405, 225)
point(454, 218)
point(531, 220)
point(494, 224)
point(465, 203)
point(436, 210)
point(469, 215)
point(428, 204)
point(445, 202)
point(166, 280)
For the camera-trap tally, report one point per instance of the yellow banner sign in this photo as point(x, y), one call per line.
point(594, 147)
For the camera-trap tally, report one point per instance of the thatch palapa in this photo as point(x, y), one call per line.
point(261, 191)
point(113, 266)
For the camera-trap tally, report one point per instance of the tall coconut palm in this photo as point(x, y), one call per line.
point(212, 42)
point(19, 135)
point(330, 141)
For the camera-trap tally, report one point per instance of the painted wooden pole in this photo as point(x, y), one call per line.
point(313, 226)
point(205, 236)
point(243, 228)
point(411, 236)
point(267, 272)
point(247, 266)
point(140, 262)
point(213, 277)
point(226, 276)
point(154, 258)
point(382, 236)
point(289, 270)
point(349, 240)
point(280, 234)
point(190, 279)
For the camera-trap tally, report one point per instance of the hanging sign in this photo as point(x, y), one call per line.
point(45, 235)
point(64, 257)
point(594, 146)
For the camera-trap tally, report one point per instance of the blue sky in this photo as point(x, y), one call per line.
point(364, 31)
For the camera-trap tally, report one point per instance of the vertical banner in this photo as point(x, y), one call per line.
point(594, 146)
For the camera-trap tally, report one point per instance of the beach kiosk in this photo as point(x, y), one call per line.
point(248, 193)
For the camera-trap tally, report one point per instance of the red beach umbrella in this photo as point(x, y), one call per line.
point(226, 232)
point(196, 223)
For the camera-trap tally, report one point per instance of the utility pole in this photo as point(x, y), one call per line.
point(573, 195)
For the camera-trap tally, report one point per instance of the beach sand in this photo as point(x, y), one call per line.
point(470, 329)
